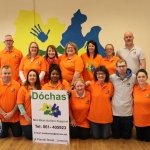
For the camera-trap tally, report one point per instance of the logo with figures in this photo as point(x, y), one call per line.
point(50, 110)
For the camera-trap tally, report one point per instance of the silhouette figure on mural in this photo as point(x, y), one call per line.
point(74, 33)
point(37, 31)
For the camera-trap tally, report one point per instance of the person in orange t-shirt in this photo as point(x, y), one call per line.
point(70, 63)
point(51, 57)
point(24, 102)
point(79, 105)
point(9, 114)
point(56, 82)
point(100, 114)
point(32, 61)
point(141, 107)
point(110, 60)
point(91, 60)
point(11, 56)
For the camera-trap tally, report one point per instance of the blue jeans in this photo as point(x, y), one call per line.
point(122, 127)
point(100, 130)
point(27, 129)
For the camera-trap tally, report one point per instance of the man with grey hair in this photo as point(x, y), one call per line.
point(133, 55)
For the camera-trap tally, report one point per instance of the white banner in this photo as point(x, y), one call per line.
point(50, 116)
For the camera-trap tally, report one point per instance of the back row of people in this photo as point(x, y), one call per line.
point(71, 64)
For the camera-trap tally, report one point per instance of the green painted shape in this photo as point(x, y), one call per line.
point(60, 49)
point(42, 52)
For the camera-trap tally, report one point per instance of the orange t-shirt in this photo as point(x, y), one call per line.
point(47, 69)
point(141, 107)
point(80, 108)
point(23, 98)
point(8, 98)
point(69, 66)
point(13, 59)
point(38, 64)
point(90, 64)
point(110, 64)
point(100, 108)
point(60, 86)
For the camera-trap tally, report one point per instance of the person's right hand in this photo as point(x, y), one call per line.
point(73, 123)
point(28, 119)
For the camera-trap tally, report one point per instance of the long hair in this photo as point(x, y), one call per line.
point(37, 83)
point(96, 48)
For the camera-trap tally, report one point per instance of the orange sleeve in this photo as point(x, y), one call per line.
point(22, 63)
point(79, 64)
point(21, 95)
point(43, 64)
point(112, 90)
point(66, 85)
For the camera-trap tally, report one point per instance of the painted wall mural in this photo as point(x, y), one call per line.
point(29, 27)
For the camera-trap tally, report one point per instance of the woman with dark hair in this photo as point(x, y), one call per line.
point(24, 101)
point(100, 114)
point(56, 82)
point(51, 57)
point(32, 61)
point(110, 60)
point(91, 60)
point(141, 107)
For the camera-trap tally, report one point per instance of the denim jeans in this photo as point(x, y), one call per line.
point(122, 127)
point(100, 130)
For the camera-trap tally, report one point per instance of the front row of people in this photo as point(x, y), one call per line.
point(95, 106)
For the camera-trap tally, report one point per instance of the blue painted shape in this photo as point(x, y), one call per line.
point(94, 35)
point(37, 31)
point(74, 31)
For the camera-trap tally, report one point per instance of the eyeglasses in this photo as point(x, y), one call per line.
point(109, 49)
point(123, 66)
point(8, 40)
point(33, 47)
point(98, 74)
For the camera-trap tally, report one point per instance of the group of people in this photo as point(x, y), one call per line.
point(105, 94)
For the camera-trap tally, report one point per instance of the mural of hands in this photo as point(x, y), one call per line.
point(37, 31)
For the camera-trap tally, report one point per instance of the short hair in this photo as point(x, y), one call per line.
point(112, 47)
point(120, 61)
point(37, 83)
point(143, 71)
point(54, 48)
point(96, 48)
point(73, 45)
point(6, 67)
point(29, 53)
point(54, 67)
point(79, 80)
point(102, 69)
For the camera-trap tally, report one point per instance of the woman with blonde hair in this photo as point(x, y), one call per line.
point(79, 105)
point(70, 63)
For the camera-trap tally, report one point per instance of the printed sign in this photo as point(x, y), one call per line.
point(50, 116)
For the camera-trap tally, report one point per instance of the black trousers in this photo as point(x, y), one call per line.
point(122, 127)
point(27, 131)
point(15, 128)
point(143, 133)
point(79, 132)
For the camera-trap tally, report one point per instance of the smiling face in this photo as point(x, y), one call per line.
point(32, 77)
point(6, 75)
point(91, 48)
point(142, 78)
point(101, 76)
point(109, 50)
point(70, 51)
point(33, 49)
point(54, 76)
point(51, 52)
point(80, 86)
point(8, 41)
point(128, 38)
